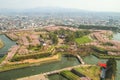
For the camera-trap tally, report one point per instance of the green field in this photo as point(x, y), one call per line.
point(82, 40)
point(90, 71)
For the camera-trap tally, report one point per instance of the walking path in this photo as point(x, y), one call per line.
point(80, 59)
point(68, 68)
point(42, 76)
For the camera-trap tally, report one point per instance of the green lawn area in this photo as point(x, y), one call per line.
point(82, 40)
point(64, 47)
point(90, 71)
point(69, 75)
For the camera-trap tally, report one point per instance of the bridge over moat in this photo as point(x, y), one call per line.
point(80, 59)
point(42, 75)
point(68, 68)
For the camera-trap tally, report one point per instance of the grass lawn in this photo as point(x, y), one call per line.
point(69, 75)
point(90, 71)
point(82, 40)
point(64, 46)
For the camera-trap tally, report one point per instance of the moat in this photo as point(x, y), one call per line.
point(33, 70)
point(7, 44)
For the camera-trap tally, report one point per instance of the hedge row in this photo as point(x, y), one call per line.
point(105, 56)
point(99, 50)
point(33, 56)
point(69, 75)
point(77, 73)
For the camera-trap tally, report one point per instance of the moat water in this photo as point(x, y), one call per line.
point(33, 70)
point(65, 62)
point(7, 44)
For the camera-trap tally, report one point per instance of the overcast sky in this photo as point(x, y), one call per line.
point(92, 5)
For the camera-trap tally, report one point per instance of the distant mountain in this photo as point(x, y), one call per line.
point(53, 10)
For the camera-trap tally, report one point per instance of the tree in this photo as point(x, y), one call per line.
point(70, 38)
point(54, 38)
point(60, 32)
point(78, 34)
point(82, 33)
point(111, 69)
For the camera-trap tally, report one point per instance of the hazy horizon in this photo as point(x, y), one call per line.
point(94, 5)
